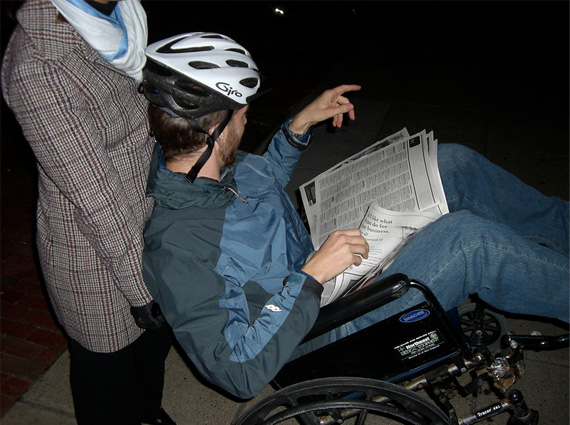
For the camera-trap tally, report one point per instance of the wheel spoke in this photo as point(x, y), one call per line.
point(336, 400)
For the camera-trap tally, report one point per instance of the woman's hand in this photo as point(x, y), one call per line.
point(331, 103)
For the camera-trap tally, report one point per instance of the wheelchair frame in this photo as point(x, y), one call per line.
point(338, 383)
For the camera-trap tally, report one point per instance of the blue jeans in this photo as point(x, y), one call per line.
point(502, 240)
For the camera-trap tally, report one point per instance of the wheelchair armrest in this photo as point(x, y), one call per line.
point(375, 294)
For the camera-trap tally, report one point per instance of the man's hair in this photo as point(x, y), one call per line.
point(176, 136)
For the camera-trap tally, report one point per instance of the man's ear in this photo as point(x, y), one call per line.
point(212, 129)
point(219, 142)
point(221, 137)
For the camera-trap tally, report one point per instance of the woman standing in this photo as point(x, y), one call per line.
point(70, 74)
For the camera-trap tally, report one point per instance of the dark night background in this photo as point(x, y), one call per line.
point(523, 41)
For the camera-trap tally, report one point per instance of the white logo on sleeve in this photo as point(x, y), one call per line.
point(273, 308)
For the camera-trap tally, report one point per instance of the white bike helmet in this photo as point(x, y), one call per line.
point(193, 74)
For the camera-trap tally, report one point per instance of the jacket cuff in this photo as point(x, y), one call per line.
point(311, 284)
point(308, 282)
point(300, 142)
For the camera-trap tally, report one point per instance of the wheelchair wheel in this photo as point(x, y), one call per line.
point(482, 327)
point(345, 400)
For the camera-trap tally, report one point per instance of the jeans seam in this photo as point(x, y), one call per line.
point(465, 251)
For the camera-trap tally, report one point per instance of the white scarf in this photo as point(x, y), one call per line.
point(119, 38)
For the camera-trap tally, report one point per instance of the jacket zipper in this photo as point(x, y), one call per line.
point(241, 198)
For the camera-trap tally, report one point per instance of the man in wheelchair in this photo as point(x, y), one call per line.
point(226, 252)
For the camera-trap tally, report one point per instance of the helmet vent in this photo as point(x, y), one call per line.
point(149, 88)
point(193, 89)
point(195, 49)
point(237, 64)
point(185, 105)
point(241, 51)
point(202, 65)
point(168, 48)
point(249, 82)
point(157, 69)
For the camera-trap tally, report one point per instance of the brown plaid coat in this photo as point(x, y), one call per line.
point(87, 126)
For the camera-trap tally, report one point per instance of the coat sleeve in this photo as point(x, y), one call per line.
point(58, 123)
point(239, 353)
point(284, 152)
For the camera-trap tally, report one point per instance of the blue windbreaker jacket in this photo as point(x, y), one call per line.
point(223, 258)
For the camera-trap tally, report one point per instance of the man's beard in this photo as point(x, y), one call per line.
point(228, 150)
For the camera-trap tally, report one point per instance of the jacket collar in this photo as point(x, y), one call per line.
point(172, 190)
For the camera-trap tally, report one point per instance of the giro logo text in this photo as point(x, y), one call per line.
point(229, 90)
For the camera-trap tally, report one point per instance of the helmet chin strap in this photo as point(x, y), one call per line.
point(193, 173)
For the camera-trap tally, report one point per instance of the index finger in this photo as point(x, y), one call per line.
point(349, 232)
point(345, 88)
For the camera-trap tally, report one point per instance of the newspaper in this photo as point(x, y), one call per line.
point(389, 191)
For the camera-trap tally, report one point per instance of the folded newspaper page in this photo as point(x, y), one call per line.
point(389, 190)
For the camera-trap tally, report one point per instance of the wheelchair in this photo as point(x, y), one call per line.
point(404, 369)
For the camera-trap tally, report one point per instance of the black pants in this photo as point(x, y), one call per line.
point(122, 388)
